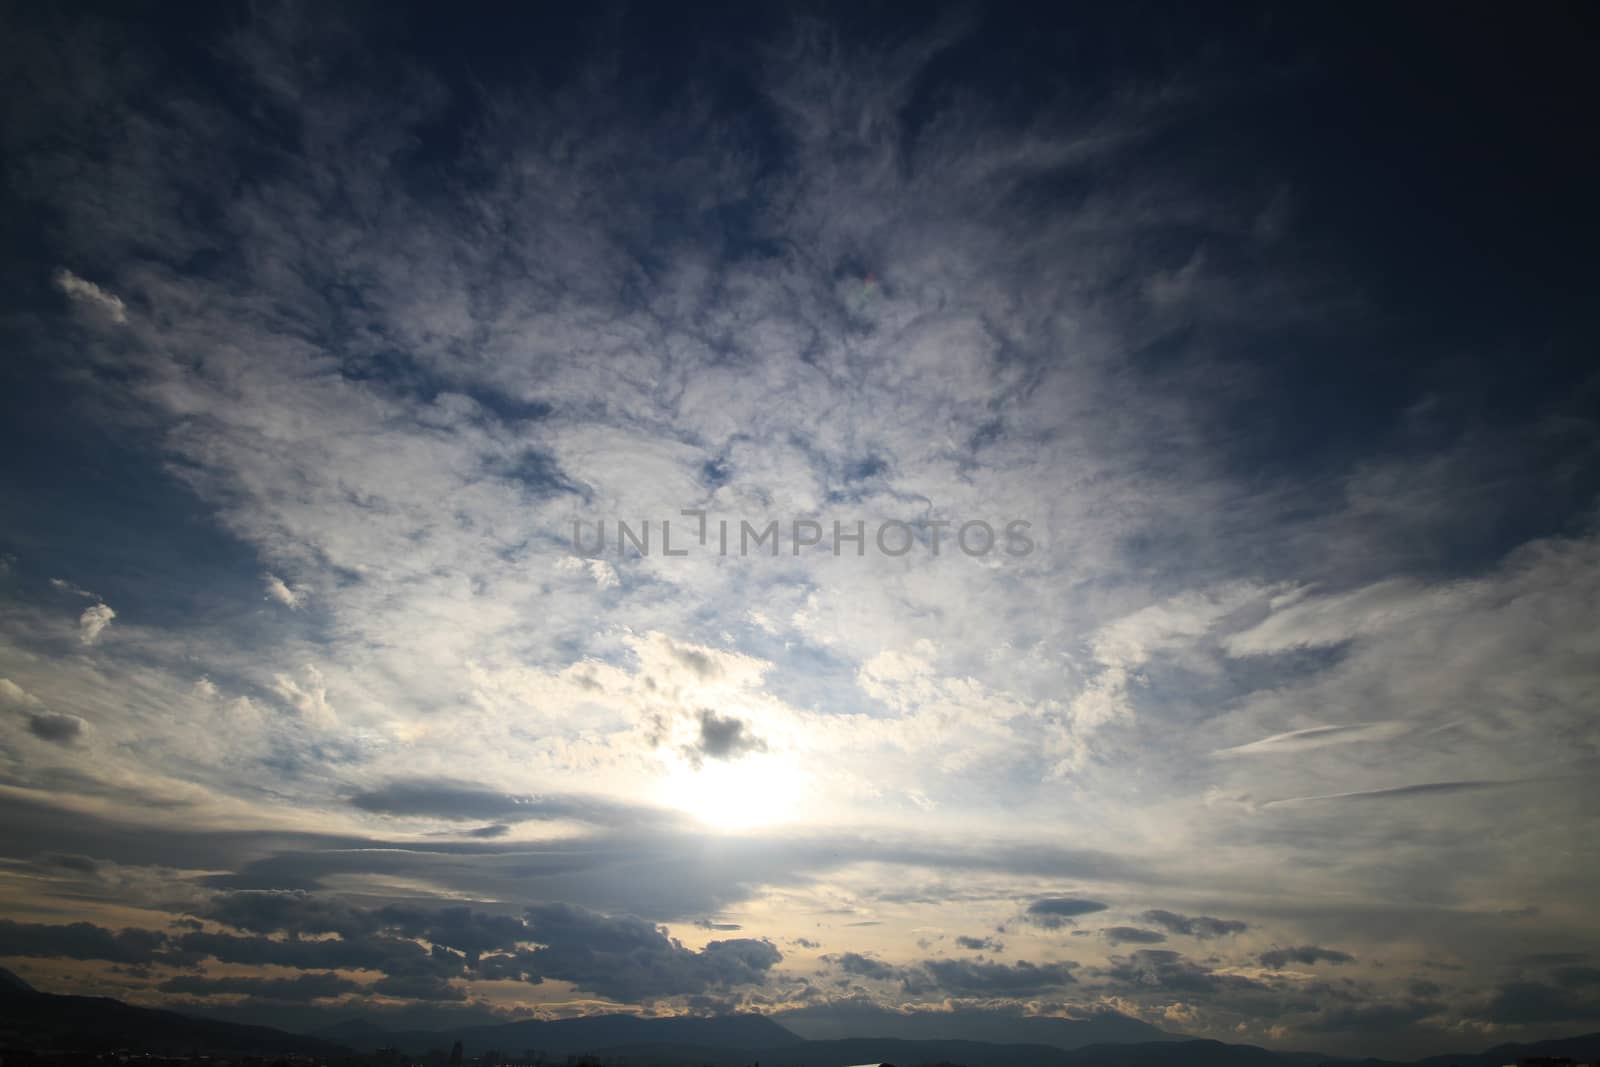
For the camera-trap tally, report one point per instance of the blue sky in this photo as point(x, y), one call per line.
point(323, 329)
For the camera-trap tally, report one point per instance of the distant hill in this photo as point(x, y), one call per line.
point(12, 984)
point(740, 1040)
point(562, 1037)
point(836, 1021)
point(1585, 1048)
point(908, 1053)
point(45, 1021)
point(1191, 1053)
point(837, 1053)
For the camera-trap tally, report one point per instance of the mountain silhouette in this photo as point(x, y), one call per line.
point(835, 1021)
point(47, 1021)
point(561, 1037)
point(12, 984)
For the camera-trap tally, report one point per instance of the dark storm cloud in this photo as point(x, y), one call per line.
point(1118, 935)
point(290, 912)
point(80, 941)
point(302, 988)
point(722, 737)
point(1278, 958)
point(622, 957)
point(1053, 913)
point(362, 953)
point(459, 927)
point(1201, 926)
point(630, 959)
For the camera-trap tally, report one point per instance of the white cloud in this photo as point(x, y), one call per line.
point(93, 622)
point(601, 572)
point(16, 698)
point(1317, 736)
point(68, 587)
point(90, 295)
point(310, 698)
point(279, 591)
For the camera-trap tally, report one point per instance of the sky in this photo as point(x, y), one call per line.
point(1259, 340)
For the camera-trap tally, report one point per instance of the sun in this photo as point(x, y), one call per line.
point(755, 791)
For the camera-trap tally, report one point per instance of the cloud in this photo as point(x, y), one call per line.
point(974, 978)
point(1576, 977)
point(628, 959)
point(68, 587)
point(424, 987)
point(1118, 935)
point(449, 801)
point(615, 956)
point(15, 698)
point(1201, 926)
point(302, 988)
point(1523, 1002)
point(56, 728)
point(1278, 958)
point(1397, 791)
point(602, 573)
point(1053, 913)
point(280, 592)
point(721, 737)
point(88, 294)
point(1163, 970)
point(864, 966)
point(1316, 737)
point(80, 941)
point(1369, 1019)
point(310, 698)
point(979, 944)
point(93, 622)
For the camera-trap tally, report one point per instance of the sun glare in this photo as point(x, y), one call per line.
point(740, 794)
